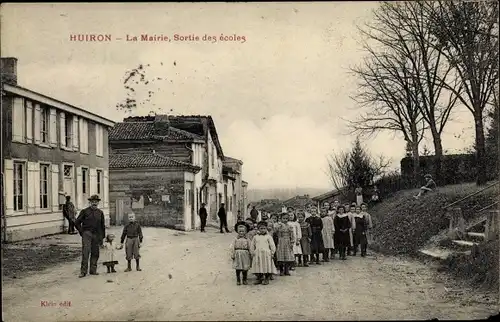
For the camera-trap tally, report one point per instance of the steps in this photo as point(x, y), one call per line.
point(475, 233)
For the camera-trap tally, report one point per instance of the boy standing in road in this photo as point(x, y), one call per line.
point(133, 232)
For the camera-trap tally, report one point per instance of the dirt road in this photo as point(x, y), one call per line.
point(202, 287)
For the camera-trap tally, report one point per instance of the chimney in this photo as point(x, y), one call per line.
point(9, 70)
point(161, 125)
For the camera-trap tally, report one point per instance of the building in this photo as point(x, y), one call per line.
point(329, 197)
point(244, 197)
point(192, 140)
point(158, 189)
point(50, 149)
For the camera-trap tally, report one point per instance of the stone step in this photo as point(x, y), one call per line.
point(477, 235)
point(464, 243)
point(441, 253)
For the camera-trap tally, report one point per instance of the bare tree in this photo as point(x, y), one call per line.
point(466, 33)
point(347, 170)
point(401, 27)
point(386, 88)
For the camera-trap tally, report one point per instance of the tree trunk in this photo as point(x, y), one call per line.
point(438, 156)
point(416, 164)
point(481, 178)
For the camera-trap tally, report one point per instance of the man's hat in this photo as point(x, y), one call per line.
point(94, 198)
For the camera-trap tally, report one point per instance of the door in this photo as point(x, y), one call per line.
point(69, 181)
point(190, 205)
point(119, 210)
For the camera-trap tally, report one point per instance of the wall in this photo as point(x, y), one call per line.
point(150, 184)
point(197, 159)
point(33, 221)
point(178, 151)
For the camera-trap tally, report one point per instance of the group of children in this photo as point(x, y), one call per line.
point(297, 238)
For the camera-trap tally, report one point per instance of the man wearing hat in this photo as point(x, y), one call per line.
point(91, 226)
point(430, 185)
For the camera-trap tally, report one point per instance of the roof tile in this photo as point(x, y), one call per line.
point(149, 131)
point(146, 160)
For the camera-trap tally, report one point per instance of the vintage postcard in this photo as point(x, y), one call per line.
point(249, 161)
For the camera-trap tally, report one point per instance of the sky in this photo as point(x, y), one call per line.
point(278, 99)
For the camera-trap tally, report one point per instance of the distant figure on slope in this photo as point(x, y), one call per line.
point(359, 195)
point(254, 214)
point(430, 185)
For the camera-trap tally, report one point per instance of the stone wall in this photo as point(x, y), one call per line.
point(156, 197)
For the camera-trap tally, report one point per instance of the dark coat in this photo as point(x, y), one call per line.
point(222, 212)
point(203, 212)
point(91, 220)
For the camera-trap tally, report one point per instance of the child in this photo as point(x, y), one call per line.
point(133, 232)
point(241, 253)
point(305, 240)
point(327, 235)
point(360, 232)
point(297, 235)
point(349, 211)
point(369, 224)
point(342, 225)
point(316, 237)
point(262, 250)
point(285, 246)
point(109, 254)
point(252, 229)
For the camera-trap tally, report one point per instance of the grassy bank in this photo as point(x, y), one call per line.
point(403, 225)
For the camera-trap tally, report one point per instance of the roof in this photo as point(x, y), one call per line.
point(231, 160)
point(190, 123)
point(139, 131)
point(32, 95)
point(327, 195)
point(147, 160)
point(298, 201)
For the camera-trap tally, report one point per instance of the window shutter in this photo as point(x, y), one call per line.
point(62, 126)
point(29, 121)
point(75, 133)
point(32, 190)
point(93, 181)
point(53, 127)
point(79, 195)
point(18, 120)
point(9, 186)
point(54, 185)
point(105, 189)
point(38, 124)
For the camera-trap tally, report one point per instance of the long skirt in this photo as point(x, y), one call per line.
point(285, 251)
point(262, 263)
point(317, 243)
point(242, 260)
point(132, 248)
point(360, 238)
point(305, 245)
point(342, 239)
point(297, 249)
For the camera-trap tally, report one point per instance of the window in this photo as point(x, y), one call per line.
point(68, 125)
point(68, 171)
point(84, 180)
point(213, 156)
point(44, 126)
point(99, 181)
point(44, 186)
point(19, 171)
